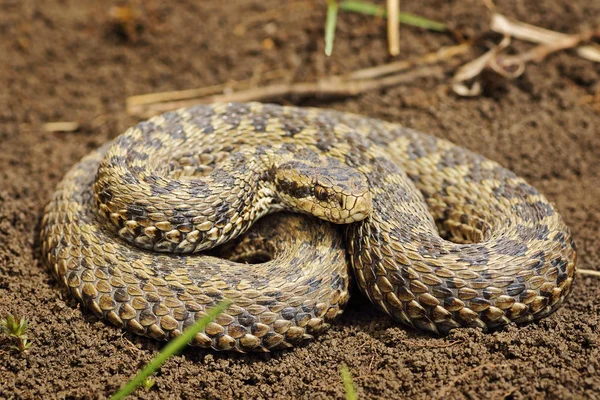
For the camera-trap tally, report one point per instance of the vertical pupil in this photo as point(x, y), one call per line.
point(320, 193)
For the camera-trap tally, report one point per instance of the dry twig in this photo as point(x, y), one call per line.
point(332, 86)
point(351, 84)
point(589, 272)
point(443, 54)
point(161, 97)
point(474, 68)
point(393, 26)
point(589, 52)
point(550, 41)
point(61, 126)
point(512, 67)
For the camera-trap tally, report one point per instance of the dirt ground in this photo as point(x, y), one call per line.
point(62, 60)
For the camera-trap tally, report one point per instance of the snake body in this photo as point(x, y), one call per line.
point(438, 237)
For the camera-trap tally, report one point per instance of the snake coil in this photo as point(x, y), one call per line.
point(438, 237)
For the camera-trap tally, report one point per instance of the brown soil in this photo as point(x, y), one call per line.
point(64, 61)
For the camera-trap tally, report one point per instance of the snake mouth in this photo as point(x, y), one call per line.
point(361, 208)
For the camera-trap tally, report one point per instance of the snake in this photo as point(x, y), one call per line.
point(282, 210)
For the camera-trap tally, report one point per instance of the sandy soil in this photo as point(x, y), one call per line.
point(62, 60)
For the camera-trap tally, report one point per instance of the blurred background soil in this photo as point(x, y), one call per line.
point(67, 60)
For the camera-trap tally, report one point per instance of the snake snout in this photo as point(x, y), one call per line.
point(354, 197)
point(359, 207)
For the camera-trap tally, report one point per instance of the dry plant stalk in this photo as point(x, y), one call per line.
point(61, 126)
point(511, 67)
point(352, 84)
point(160, 97)
point(523, 31)
point(325, 87)
point(443, 54)
point(393, 26)
point(589, 52)
point(474, 68)
point(589, 272)
point(550, 41)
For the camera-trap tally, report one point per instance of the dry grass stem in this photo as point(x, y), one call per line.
point(61, 126)
point(443, 54)
point(474, 68)
point(550, 41)
point(538, 53)
point(589, 272)
point(175, 95)
point(523, 31)
point(393, 26)
point(351, 84)
point(589, 52)
point(333, 86)
point(511, 67)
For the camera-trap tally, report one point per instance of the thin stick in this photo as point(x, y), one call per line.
point(443, 54)
point(393, 26)
point(589, 272)
point(589, 52)
point(61, 126)
point(540, 52)
point(176, 94)
point(325, 87)
point(523, 31)
point(151, 104)
point(198, 92)
point(473, 68)
point(513, 66)
point(550, 41)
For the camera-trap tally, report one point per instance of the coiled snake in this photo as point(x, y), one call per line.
point(438, 237)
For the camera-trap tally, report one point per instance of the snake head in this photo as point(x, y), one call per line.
point(338, 194)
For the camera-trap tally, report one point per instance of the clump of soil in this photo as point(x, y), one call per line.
point(64, 60)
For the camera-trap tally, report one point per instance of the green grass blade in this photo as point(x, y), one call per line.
point(421, 22)
point(332, 10)
point(366, 8)
point(349, 388)
point(169, 350)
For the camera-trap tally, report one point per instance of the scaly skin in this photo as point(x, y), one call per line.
point(438, 236)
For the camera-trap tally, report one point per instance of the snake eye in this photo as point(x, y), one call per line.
point(321, 193)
